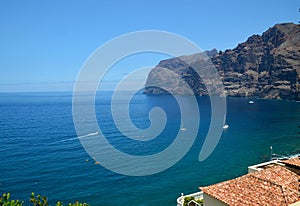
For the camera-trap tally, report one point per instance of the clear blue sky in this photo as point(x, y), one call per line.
point(44, 43)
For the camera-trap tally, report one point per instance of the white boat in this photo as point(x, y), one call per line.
point(251, 102)
point(225, 126)
point(183, 129)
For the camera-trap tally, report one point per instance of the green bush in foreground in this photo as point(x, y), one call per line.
point(35, 200)
point(4, 201)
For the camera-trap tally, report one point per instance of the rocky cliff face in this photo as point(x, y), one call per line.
point(265, 66)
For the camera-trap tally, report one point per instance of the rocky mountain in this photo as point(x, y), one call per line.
point(265, 66)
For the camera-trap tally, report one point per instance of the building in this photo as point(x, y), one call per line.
point(276, 182)
point(272, 183)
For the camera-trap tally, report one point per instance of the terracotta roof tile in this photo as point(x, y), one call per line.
point(293, 161)
point(273, 186)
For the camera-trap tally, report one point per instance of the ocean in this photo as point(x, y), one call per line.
point(40, 150)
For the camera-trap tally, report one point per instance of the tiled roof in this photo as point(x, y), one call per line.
point(293, 161)
point(273, 186)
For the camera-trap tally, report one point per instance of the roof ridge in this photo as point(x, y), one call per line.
point(266, 180)
point(287, 170)
point(282, 187)
point(295, 191)
point(288, 188)
point(271, 183)
point(284, 196)
point(285, 184)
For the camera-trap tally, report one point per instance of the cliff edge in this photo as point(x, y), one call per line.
point(265, 66)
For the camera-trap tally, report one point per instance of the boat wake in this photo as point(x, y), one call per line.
point(88, 135)
point(79, 137)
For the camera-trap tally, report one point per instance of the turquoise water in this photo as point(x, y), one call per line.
point(40, 152)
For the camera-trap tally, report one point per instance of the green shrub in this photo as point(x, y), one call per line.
point(35, 200)
point(4, 201)
point(38, 200)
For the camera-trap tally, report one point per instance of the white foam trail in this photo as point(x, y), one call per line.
point(88, 135)
point(79, 137)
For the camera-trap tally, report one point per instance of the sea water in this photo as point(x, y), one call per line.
point(41, 152)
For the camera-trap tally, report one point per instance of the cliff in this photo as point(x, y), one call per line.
point(265, 66)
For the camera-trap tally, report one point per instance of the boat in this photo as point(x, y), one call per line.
point(251, 102)
point(225, 126)
point(183, 129)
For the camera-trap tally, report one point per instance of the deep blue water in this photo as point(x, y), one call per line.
point(40, 152)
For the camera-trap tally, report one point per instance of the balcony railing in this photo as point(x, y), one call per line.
point(196, 195)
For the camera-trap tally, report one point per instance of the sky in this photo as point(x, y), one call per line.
point(45, 43)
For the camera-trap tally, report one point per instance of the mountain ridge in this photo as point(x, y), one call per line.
point(264, 66)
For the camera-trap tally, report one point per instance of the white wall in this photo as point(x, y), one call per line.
point(211, 201)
